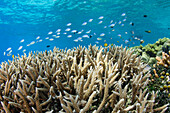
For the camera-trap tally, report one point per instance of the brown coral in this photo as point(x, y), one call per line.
point(79, 80)
point(165, 61)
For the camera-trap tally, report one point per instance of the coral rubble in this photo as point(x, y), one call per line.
point(80, 80)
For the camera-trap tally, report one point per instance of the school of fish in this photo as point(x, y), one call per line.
point(84, 35)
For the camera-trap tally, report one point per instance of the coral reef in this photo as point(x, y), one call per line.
point(80, 80)
point(150, 51)
point(160, 79)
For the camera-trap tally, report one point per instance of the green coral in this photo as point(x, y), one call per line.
point(150, 51)
point(145, 57)
point(167, 43)
point(152, 60)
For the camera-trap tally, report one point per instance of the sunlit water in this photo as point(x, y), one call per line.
point(27, 19)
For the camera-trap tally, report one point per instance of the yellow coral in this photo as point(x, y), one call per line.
point(167, 74)
point(162, 77)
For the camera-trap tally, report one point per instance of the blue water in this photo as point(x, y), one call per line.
point(27, 19)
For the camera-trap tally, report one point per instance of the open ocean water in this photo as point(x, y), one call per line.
point(39, 25)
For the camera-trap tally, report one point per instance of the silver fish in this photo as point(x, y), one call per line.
point(101, 17)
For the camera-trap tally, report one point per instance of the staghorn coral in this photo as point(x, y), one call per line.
point(165, 61)
point(81, 80)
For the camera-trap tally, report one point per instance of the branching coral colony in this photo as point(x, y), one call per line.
point(160, 79)
point(165, 61)
point(80, 80)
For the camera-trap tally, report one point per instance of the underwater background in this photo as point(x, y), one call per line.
point(26, 21)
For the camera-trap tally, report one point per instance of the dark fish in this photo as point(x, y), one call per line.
point(141, 41)
point(148, 31)
point(91, 36)
point(75, 32)
point(144, 15)
point(48, 45)
point(132, 24)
